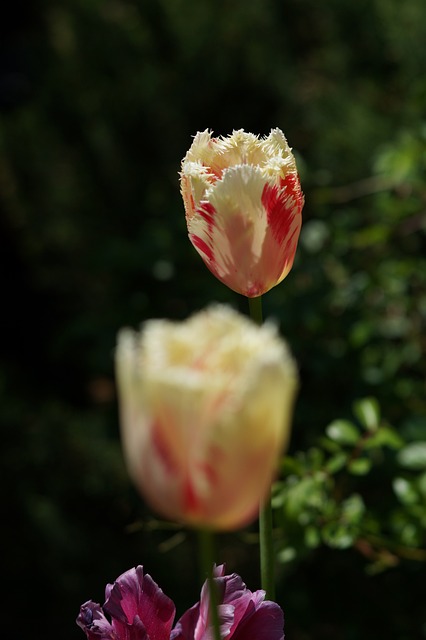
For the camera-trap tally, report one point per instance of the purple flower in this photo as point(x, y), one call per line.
point(138, 609)
point(243, 614)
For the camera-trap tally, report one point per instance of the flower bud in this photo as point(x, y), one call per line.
point(206, 406)
point(243, 207)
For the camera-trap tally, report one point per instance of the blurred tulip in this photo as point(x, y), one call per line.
point(206, 406)
point(243, 206)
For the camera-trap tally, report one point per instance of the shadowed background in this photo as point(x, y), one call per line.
point(99, 101)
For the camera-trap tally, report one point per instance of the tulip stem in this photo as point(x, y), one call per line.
point(267, 559)
point(206, 549)
point(255, 306)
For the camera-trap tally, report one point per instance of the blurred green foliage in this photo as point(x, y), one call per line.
point(99, 100)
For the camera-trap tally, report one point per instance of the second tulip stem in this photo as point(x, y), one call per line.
point(206, 550)
point(267, 558)
point(255, 306)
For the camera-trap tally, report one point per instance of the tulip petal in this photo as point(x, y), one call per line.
point(283, 205)
point(94, 623)
point(228, 230)
point(136, 597)
point(248, 229)
point(263, 623)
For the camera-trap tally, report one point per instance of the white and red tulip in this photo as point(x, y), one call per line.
point(243, 205)
point(206, 407)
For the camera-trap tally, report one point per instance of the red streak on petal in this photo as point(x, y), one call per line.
point(281, 204)
point(207, 212)
point(161, 448)
point(193, 502)
point(202, 246)
point(190, 498)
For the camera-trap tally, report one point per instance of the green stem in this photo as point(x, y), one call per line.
point(267, 558)
point(206, 550)
point(255, 306)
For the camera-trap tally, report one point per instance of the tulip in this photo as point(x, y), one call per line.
point(243, 614)
point(137, 607)
point(205, 408)
point(243, 206)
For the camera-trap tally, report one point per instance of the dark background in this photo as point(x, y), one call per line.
point(99, 101)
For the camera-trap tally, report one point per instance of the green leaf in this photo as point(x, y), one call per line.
point(384, 437)
point(413, 456)
point(421, 483)
point(287, 554)
point(303, 494)
point(312, 537)
point(405, 491)
point(353, 508)
point(336, 462)
point(343, 432)
point(315, 458)
point(337, 535)
point(367, 411)
point(290, 465)
point(360, 466)
point(329, 445)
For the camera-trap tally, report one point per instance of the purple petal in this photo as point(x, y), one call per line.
point(123, 596)
point(234, 587)
point(219, 570)
point(194, 623)
point(135, 599)
point(243, 615)
point(134, 631)
point(186, 625)
point(235, 594)
point(203, 629)
point(156, 610)
point(263, 623)
point(93, 622)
